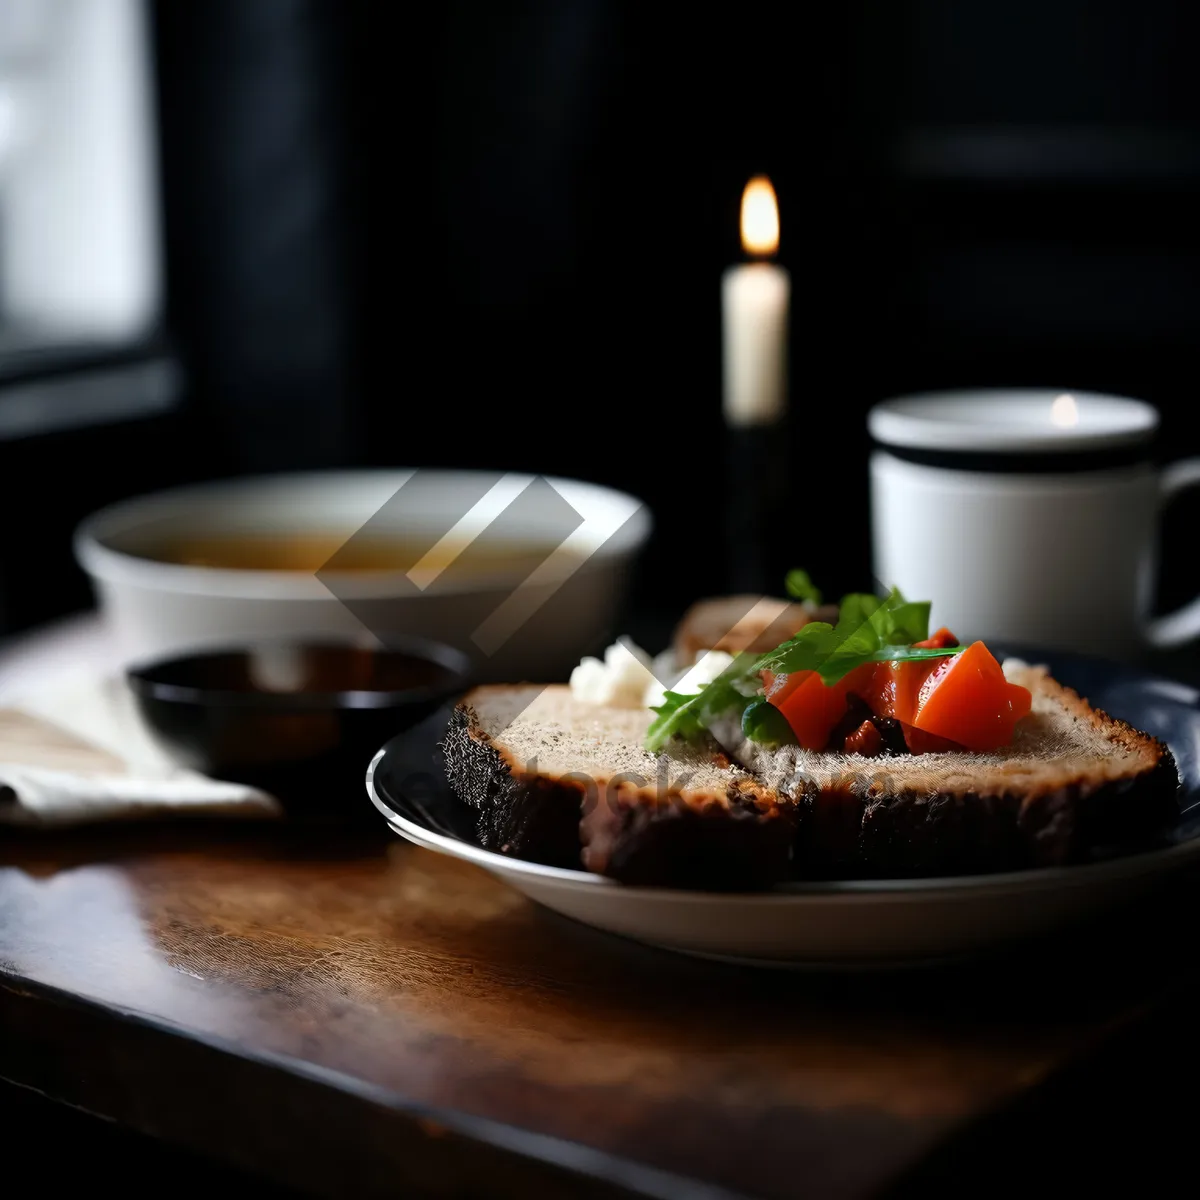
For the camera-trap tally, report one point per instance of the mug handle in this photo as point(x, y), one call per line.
point(1182, 625)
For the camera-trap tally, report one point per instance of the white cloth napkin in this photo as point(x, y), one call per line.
point(133, 779)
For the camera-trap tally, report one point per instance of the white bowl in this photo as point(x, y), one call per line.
point(515, 624)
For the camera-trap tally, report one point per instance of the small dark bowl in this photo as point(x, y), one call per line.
point(299, 720)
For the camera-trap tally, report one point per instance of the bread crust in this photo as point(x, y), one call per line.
point(1053, 818)
point(531, 817)
point(741, 838)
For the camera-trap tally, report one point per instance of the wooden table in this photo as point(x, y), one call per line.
point(350, 1015)
point(341, 1014)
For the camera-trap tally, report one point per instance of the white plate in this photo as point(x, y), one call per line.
point(851, 924)
point(856, 923)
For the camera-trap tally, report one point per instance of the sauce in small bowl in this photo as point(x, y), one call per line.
point(300, 720)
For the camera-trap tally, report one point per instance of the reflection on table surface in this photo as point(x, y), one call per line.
point(419, 980)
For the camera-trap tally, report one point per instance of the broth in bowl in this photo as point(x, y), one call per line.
point(283, 550)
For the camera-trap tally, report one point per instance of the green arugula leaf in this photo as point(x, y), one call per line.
point(895, 654)
point(688, 716)
point(869, 629)
point(764, 724)
point(810, 646)
point(800, 587)
point(866, 625)
point(856, 608)
point(674, 719)
point(909, 622)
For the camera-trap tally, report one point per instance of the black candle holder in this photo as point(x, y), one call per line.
point(756, 514)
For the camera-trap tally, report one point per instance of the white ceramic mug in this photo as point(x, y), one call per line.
point(1026, 515)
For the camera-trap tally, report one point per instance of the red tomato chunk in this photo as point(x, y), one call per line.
point(962, 701)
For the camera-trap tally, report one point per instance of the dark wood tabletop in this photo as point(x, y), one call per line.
point(345, 1014)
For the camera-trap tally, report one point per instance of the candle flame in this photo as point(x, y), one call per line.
point(1064, 411)
point(760, 217)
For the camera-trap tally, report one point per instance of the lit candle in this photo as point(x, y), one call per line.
point(754, 305)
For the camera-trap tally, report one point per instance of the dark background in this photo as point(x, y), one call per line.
point(492, 235)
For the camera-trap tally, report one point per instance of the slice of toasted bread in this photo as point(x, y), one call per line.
point(1072, 782)
point(562, 782)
